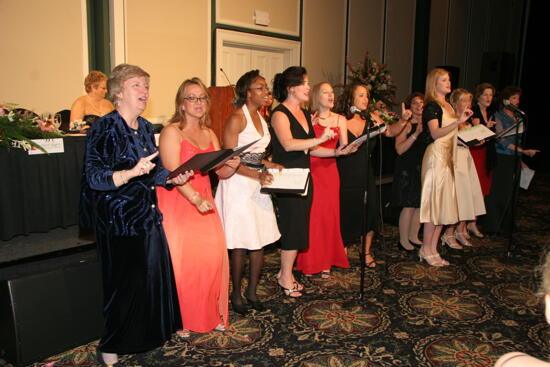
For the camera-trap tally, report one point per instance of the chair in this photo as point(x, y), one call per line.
point(63, 117)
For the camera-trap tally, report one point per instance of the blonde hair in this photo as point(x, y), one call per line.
point(316, 95)
point(457, 95)
point(431, 81)
point(119, 75)
point(179, 115)
point(95, 77)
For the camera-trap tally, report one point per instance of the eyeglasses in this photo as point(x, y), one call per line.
point(194, 99)
point(260, 88)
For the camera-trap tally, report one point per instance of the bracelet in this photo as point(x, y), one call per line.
point(335, 152)
point(414, 137)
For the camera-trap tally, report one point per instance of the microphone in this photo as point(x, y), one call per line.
point(356, 110)
point(512, 107)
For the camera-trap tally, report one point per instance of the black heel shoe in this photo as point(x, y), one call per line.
point(240, 309)
point(255, 305)
point(417, 244)
point(402, 248)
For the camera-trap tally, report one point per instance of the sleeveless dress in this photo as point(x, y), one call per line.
point(247, 215)
point(406, 177)
point(353, 182)
point(326, 248)
point(438, 203)
point(468, 189)
point(293, 210)
point(198, 251)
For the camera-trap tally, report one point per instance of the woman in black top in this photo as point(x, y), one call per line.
point(293, 138)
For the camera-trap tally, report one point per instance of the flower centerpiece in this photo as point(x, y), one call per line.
point(18, 130)
point(378, 80)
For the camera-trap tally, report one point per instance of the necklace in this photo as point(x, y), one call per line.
point(326, 117)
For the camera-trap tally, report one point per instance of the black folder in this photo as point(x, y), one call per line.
point(204, 162)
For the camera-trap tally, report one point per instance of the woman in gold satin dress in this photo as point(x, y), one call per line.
point(438, 202)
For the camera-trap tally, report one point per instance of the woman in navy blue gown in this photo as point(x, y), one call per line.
point(121, 170)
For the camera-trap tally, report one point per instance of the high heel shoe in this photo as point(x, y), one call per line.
point(290, 291)
point(433, 260)
point(403, 248)
point(460, 237)
point(451, 242)
point(417, 244)
point(255, 305)
point(99, 357)
point(472, 228)
point(240, 309)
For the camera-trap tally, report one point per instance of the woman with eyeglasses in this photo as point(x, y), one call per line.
point(247, 215)
point(191, 221)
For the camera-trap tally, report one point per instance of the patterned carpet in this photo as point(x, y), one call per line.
point(463, 315)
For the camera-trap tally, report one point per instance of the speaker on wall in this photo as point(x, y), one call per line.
point(49, 312)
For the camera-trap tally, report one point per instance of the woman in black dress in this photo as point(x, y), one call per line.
point(354, 181)
point(406, 178)
point(293, 138)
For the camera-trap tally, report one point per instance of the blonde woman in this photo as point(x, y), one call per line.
point(438, 202)
point(468, 188)
point(190, 219)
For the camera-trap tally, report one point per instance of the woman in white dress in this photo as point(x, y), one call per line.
point(468, 188)
point(247, 215)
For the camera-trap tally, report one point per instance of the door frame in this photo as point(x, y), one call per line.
point(290, 48)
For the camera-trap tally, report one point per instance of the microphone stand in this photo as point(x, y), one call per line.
point(365, 216)
point(515, 188)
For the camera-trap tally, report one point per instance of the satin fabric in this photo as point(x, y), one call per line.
point(198, 252)
point(326, 248)
point(438, 202)
point(140, 304)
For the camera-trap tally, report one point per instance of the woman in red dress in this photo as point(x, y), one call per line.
point(326, 248)
point(483, 155)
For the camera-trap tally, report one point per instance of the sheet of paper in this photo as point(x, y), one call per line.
point(526, 177)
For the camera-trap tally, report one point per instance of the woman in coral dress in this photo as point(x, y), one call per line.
point(326, 248)
point(191, 221)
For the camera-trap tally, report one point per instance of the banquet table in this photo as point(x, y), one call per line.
point(40, 192)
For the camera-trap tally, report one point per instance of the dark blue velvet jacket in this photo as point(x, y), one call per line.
point(131, 209)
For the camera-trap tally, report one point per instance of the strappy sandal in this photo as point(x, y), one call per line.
point(183, 333)
point(372, 263)
point(289, 291)
point(325, 274)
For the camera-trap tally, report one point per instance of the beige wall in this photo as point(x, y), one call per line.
point(42, 53)
point(284, 15)
point(366, 27)
point(170, 40)
point(323, 43)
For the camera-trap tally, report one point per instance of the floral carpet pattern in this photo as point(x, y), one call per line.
point(464, 315)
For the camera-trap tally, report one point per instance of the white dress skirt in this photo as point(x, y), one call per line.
point(247, 215)
point(468, 190)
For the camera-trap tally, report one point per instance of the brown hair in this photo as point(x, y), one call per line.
point(119, 75)
point(345, 101)
point(92, 79)
point(480, 88)
point(179, 115)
